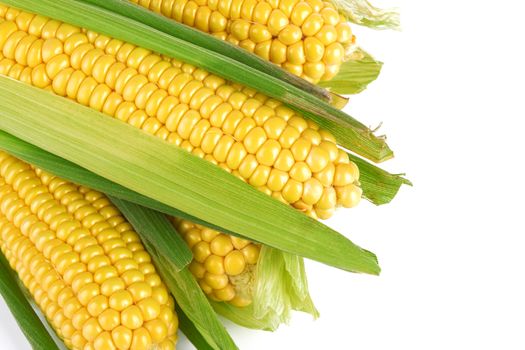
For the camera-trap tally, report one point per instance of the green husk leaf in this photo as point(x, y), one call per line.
point(40, 336)
point(355, 74)
point(349, 132)
point(379, 186)
point(363, 13)
point(280, 286)
point(160, 232)
point(148, 165)
point(182, 285)
point(191, 332)
point(141, 14)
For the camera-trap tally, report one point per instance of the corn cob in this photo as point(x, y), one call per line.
point(223, 265)
point(255, 138)
point(308, 38)
point(82, 262)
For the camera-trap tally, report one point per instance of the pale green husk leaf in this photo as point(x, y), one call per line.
point(363, 13)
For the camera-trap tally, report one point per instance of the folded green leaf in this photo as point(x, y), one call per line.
point(355, 74)
point(349, 132)
point(160, 232)
point(148, 165)
point(24, 311)
point(280, 286)
point(183, 286)
point(363, 13)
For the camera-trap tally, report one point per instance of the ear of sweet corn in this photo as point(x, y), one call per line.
point(308, 38)
point(253, 285)
point(82, 262)
point(249, 135)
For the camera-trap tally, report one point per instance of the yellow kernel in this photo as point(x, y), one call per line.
point(349, 196)
point(214, 264)
point(131, 317)
point(221, 245)
point(251, 254)
point(328, 200)
point(97, 305)
point(277, 180)
point(300, 12)
point(234, 263)
point(104, 342)
point(120, 300)
point(344, 32)
point(112, 285)
point(285, 160)
point(225, 294)
point(201, 251)
point(345, 174)
point(150, 308)
point(292, 191)
point(278, 52)
point(139, 291)
point(109, 319)
point(268, 152)
point(216, 281)
point(141, 339)
point(91, 329)
point(122, 337)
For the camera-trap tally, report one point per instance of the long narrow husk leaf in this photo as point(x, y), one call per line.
point(141, 14)
point(349, 132)
point(280, 287)
point(181, 284)
point(363, 13)
point(148, 165)
point(355, 74)
point(23, 310)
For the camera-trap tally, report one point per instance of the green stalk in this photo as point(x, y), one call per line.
point(182, 285)
point(148, 165)
point(350, 133)
point(21, 307)
point(178, 30)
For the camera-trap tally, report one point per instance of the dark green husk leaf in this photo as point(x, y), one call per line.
point(40, 336)
point(154, 168)
point(349, 132)
point(355, 74)
point(181, 284)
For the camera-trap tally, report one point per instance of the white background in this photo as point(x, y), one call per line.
point(452, 248)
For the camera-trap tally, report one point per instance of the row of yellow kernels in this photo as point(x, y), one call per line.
point(253, 158)
point(88, 270)
point(220, 261)
point(308, 38)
